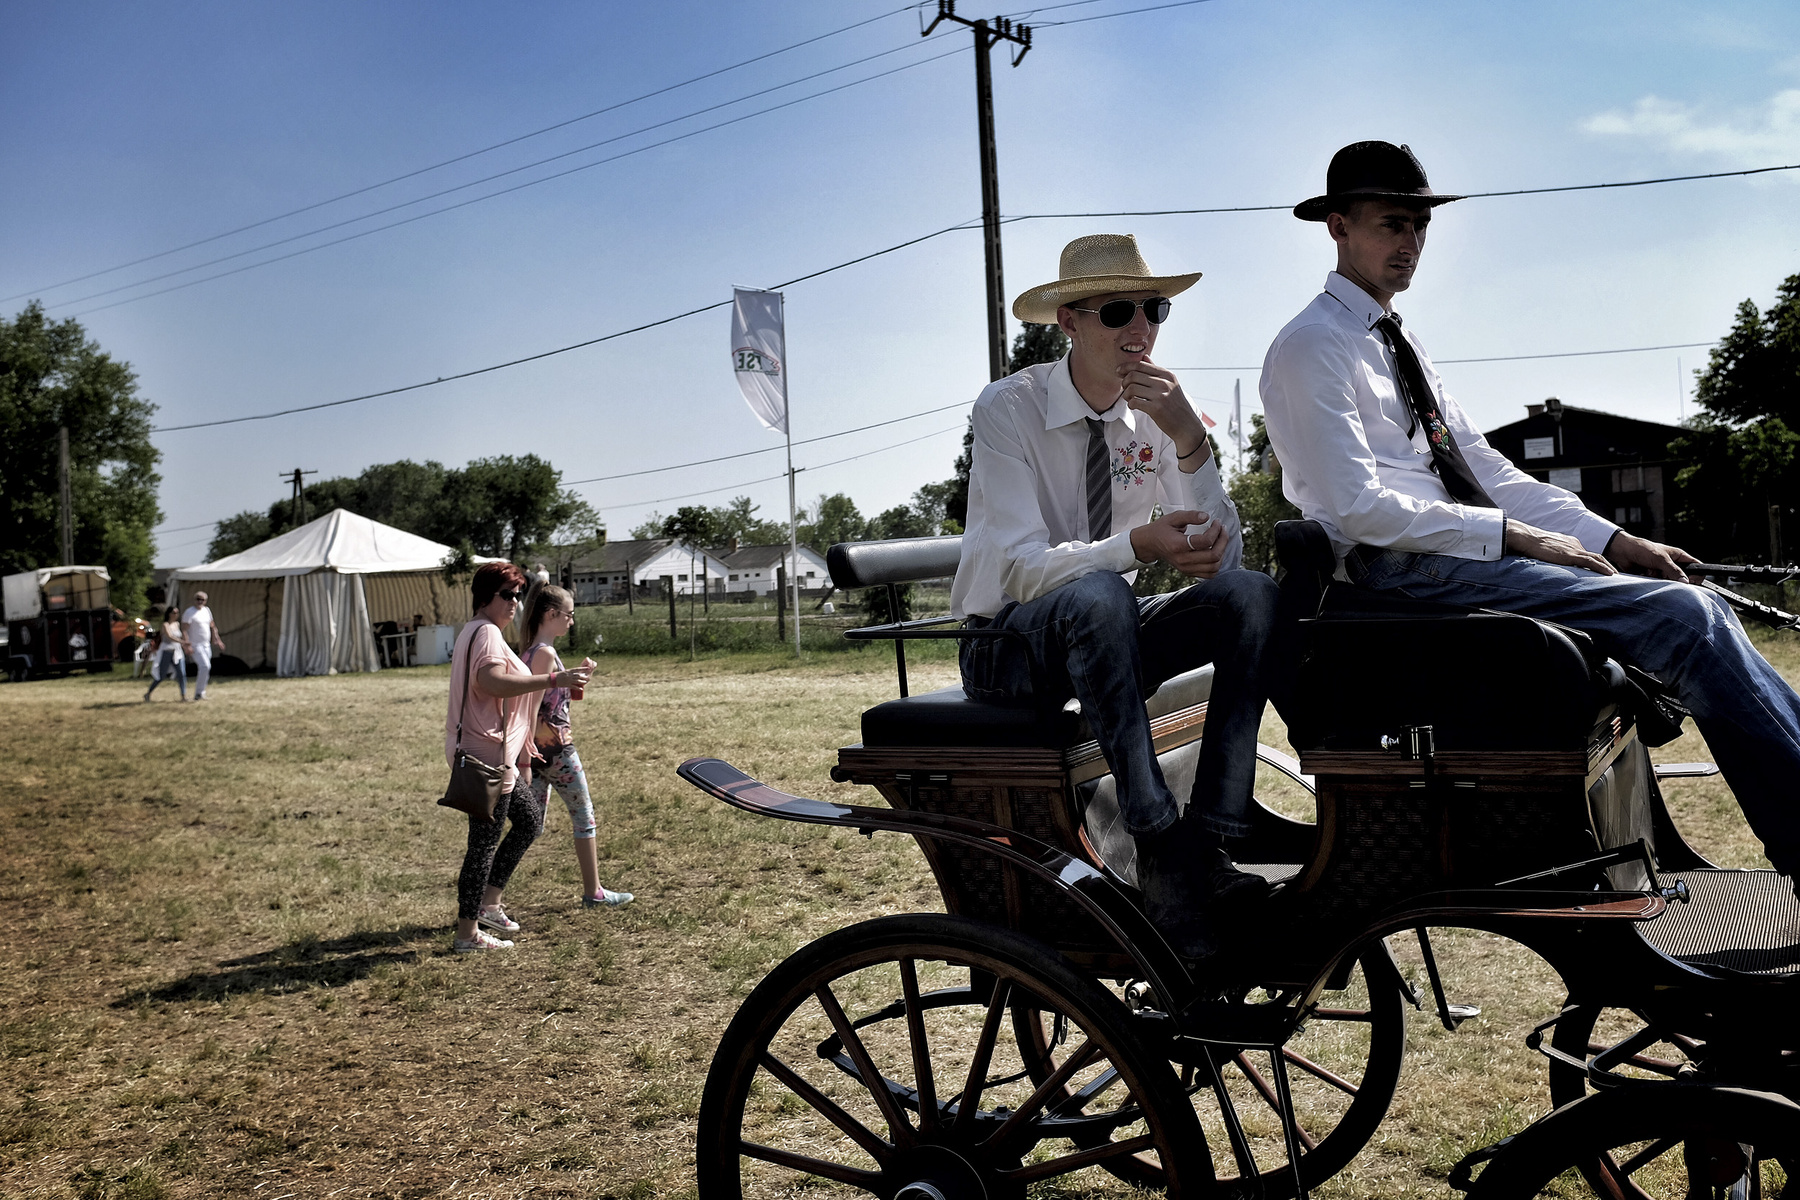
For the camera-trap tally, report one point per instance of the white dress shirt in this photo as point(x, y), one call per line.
point(1028, 522)
point(1338, 424)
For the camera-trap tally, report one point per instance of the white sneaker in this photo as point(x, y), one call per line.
point(483, 940)
point(607, 899)
point(494, 917)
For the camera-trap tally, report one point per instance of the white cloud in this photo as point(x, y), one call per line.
point(1761, 137)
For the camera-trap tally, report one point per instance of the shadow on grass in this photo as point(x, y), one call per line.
point(296, 967)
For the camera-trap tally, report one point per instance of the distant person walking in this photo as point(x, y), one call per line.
point(550, 614)
point(202, 639)
point(494, 726)
point(169, 657)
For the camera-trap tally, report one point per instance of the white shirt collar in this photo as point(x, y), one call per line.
point(1065, 406)
point(1362, 306)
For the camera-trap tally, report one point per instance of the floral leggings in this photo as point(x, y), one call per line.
point(562, 767)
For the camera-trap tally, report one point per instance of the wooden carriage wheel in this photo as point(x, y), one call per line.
point(1666, 1142)
point(1580, 1034)
point(1345, 1066)
point(880, 1057)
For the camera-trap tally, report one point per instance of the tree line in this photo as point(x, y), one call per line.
point(502, 507)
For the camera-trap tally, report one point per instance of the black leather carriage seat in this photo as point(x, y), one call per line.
point(948, 717)
point(1372, 664)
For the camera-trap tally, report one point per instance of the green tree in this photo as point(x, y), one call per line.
point(1739, 450)
point(1257, 493)
point(837, 520)
point(1034, 344)
point(52, 375)
point(236, 534)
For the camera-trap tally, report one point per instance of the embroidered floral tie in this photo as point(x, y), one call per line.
point(1446, 455)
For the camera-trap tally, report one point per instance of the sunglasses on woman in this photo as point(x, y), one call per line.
point(506, 595)
point(1117, 314)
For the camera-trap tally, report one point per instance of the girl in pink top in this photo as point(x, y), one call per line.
point(550, 614)
point(495, 727)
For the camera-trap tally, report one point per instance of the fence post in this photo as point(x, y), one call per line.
point(781, 604)
point(630, 586)
point(669, 586)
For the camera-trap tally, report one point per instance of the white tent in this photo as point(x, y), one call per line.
point(323, 586)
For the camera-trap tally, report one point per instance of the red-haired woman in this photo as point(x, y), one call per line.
point(495, 727)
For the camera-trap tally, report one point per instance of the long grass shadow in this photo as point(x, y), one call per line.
point(295, 967)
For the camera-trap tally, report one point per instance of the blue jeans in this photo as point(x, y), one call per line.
point(1685, 636)
point(1093, 639)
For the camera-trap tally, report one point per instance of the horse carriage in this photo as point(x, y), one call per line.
point(1040, 1030)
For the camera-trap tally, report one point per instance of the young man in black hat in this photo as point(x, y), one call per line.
point(1416, 501)
point(1070, 459)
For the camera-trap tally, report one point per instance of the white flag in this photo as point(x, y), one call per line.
point(759, 353)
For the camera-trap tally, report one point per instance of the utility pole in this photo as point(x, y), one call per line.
point(68, 497)
point(299, 509)
point(1000, 29)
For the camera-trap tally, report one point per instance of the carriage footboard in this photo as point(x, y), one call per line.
point(1122, 920)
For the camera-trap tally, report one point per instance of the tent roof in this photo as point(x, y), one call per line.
point(338, 541)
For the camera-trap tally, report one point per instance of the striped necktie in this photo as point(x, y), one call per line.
point(1099, 482)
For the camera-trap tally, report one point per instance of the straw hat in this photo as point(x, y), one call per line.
point(1372, 170)
point(1093, 266)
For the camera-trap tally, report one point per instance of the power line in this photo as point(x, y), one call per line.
point(463, 187)
point(1445, 362)
point(719, 458)
point(1574, 187)
point(470, 154)
point(889, 250)
point(503, 191)
point(1122, 13)
point(412, 387)
point(768, 478)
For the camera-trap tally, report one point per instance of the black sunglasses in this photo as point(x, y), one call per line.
point(506, 595)
point(1117, 314)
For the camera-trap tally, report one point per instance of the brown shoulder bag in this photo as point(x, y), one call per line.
point(474, 785)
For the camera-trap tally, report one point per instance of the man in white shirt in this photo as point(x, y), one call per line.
point(203, 639)
point(1416, 501)
point(1070, 459)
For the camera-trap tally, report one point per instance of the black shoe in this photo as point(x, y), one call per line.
point(1174, 899)
point(1193, 893)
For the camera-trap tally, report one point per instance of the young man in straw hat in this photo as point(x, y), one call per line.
point(1069, 460)
point(1416, 502)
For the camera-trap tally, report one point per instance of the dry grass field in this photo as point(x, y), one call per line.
point(226, 967)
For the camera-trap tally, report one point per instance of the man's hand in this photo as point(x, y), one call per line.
point(1154, 390)
point(1627, 550)
point(1197, 555)
point(1528, 541)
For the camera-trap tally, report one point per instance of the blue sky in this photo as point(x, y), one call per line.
point(137, 128)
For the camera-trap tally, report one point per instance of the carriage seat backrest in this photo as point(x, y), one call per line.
point(896, 560)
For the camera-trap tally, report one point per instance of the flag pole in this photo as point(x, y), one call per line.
point(788, 430)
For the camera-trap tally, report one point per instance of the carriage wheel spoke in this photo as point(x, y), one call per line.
point(923, 1080)
point(1647, 1155)
point(859, 1133)
point(899, 1128)
point(1084, 1158)
point(1080, 1057)
point(1086, 1095)
point(1312, 1068)
point(1661, 1066)
point(970, 1100)
point(812, 1166)
point(1267, 1092)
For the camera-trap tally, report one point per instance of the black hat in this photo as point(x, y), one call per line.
point(1378, 170)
